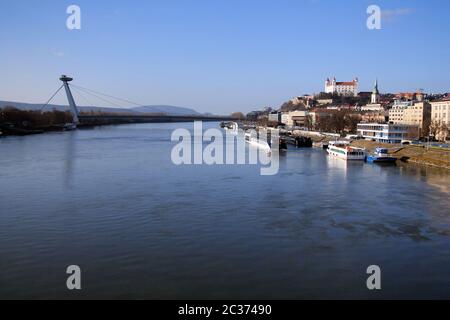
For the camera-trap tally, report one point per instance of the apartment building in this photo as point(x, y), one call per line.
point(440, 118)
point(440, 111)
point(396, 113)
point(419, 115)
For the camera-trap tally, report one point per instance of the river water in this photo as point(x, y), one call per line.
point(110, 201)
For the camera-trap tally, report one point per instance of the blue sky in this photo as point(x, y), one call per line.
point(220, 56)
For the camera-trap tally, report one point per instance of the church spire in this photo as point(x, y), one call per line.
point(375, 93)
point(375, 89)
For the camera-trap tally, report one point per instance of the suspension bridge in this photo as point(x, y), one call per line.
point(112, 117)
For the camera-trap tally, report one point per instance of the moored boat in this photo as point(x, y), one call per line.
point(299, 142)
point(253, 139)
point(346, 152)
point(282, 144)
point(381, 155)
point(232, 127)
point(69, 127)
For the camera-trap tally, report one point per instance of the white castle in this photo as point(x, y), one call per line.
point(342, 88)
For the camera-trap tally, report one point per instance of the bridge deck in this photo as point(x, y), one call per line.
point(122, 119)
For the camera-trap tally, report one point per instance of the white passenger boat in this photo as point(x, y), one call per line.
point(339, 143)
point(232, 127)
point(254, 140)
point(344, 151)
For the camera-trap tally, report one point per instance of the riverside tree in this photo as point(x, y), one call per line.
point(238, 115)
point(439, 130)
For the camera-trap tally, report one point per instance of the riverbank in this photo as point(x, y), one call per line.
point(9, 129)
point(414, 154)
point(434, 157)
point(14, 122)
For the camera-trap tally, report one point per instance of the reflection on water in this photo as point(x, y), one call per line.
point(111, 201)
point(436, 177)
point(341, 166)
point(70, 156)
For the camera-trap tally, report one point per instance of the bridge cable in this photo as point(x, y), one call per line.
point(51, 98)
point(89, 102)
point(109, 102)
point(110, 96)
point(97, 96)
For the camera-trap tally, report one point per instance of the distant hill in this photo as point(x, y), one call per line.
point(170, 110)
point(166, 109)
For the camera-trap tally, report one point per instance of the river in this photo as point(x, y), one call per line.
point(111, 201)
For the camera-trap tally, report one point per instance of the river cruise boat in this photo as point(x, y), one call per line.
point(232, 127)
point(254, 140)
point(381, 155)
point(344, 151)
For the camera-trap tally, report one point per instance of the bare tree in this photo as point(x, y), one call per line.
point(238, 115)
point(439, 130)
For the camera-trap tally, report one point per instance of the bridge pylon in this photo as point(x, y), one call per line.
point(73, 107)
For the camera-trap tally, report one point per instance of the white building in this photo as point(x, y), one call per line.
point(321, 102)
point(342, 88)
point(372, 107)
point(440, 111)
point(294, 118)
point(387, 132)
point(440, 117)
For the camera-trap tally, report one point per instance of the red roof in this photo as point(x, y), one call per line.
point(346, 83)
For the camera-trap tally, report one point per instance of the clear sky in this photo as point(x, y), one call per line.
point(221, 56)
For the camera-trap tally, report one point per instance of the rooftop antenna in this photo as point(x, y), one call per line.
point(73, 107)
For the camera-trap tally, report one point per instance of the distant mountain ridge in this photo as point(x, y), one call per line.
point(166, 109)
